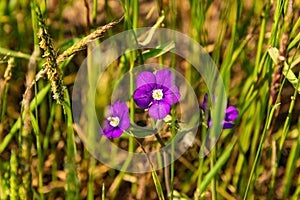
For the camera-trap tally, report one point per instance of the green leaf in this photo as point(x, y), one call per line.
point(220, 162)
point(274, 53)
point(291, 77)
point(158, 51)
point(289, 174)
point(35, 102)
point(152, 31)
point(141, 131)
point(158, 187)
point(179, 196)
point(294, 42)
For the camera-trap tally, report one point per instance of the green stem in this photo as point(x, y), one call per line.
point(261, 41)
point(130, 26)
point(40, 154)
point(214, 181)
point(282, 140)
point(160, 141)
point(16, 54)
point(258, 153)
point(95, 3)
point(40, 97)
point(72, 181)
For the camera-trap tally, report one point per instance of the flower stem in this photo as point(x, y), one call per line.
point(213, 182)
point(160, 141)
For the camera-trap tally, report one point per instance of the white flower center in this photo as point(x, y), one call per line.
point(113, 121)
point(157, 94)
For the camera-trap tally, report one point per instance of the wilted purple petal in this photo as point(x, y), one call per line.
point(143, 96)
point(159, 109)
point(231, 113)
point(209, 123)
point(145, 78)
point(165, 78)
point(204, 104)
point(171, 95)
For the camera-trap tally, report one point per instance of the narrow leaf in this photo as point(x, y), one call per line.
point(158, 51)
point(152, 31)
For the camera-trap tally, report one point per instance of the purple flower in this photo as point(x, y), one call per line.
point(204, 104)
point(231, 114)
point(157, 92)
point(117, 120)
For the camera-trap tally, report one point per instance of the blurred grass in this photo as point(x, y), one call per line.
point(258, 159)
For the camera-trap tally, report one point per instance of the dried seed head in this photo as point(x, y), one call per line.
point(7, 73)
point(53, 72)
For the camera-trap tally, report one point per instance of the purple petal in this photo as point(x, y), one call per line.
point(159, 109)
point(231, 113)
point(164, 77)
point(118, 109)
point(114, 132)
point(171, 95)
point(145, 78)
point(227, 125)
point(117, 132)
point(124, 122)
point(204, 104)
point(143, 96)
point(106, 124)
point(107, 131)
point(110, 131)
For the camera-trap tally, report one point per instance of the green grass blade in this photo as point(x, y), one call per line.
point(218, 165)
point(290, 168)
point(157, 184)
point(158, 51)
point(36, 130)
point(72, 178)
point(294, 42)
point(258, 152)
point(35, 102)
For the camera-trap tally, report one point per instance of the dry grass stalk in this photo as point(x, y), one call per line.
point(50, 65)
point(26, 137)
point(82, 44)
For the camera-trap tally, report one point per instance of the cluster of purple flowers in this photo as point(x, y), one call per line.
point(157, 93)
point(231, 114)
